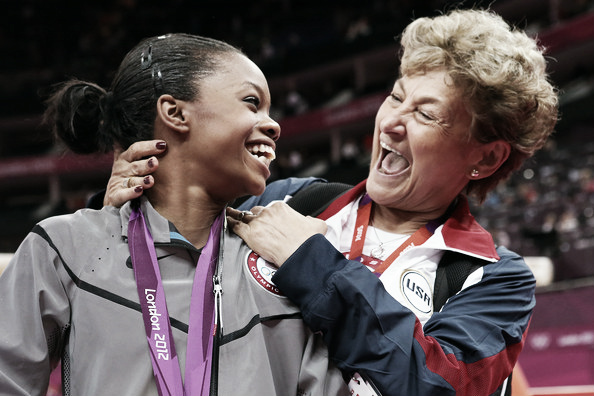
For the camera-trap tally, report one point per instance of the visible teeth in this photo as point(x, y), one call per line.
point(262, 152)
point(386, 147)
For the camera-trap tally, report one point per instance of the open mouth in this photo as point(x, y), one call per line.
point(262, 152)
point(391, 161)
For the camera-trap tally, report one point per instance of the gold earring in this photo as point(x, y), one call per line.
point(474, 173)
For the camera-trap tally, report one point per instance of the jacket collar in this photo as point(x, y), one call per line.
point(157, 224)
point(461, 232)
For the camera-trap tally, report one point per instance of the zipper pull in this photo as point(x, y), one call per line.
point(218, 292)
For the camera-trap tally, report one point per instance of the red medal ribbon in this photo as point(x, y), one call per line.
point(361, 226)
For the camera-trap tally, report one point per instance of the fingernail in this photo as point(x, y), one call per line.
point(138, 189)
point(146, 180)
point(151, 162)
point(161, 145)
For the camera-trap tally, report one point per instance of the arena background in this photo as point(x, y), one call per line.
point(329, 65)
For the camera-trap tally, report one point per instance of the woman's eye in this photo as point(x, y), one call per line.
point(395, 97)
point(425, 115)
point(253, 100)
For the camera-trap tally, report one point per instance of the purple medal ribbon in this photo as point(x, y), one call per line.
point(156, 318)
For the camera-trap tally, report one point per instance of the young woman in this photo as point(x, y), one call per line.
point(149, 299)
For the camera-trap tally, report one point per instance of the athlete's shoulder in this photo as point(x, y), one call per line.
point(82, 222)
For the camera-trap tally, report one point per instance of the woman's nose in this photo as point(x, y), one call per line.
point(393, 122)
point(271, 128)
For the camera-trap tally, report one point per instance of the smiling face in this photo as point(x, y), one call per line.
point(422, 154)
point(232, 137)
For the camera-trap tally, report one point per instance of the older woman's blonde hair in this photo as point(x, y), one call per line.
point(501, 74)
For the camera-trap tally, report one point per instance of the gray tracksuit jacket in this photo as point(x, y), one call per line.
point(70, 293)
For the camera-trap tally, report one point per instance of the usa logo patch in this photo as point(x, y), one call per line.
point(262, 271)
point(417, 291)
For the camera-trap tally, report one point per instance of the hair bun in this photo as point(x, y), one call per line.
point(75, 112)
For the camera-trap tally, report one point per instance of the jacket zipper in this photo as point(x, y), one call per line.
point(218, 315)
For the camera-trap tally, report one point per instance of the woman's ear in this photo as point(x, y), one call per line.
point(172, 113)
point(493, 155)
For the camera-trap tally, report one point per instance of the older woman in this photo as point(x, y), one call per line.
point(472, 102)
point(124, 297)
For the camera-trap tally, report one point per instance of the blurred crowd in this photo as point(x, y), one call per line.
point(50, 39)
point(45, 41)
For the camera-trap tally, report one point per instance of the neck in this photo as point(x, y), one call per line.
point(190, 209)
point(400, 222)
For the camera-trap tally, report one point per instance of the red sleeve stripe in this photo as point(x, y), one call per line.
point(479, 378)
